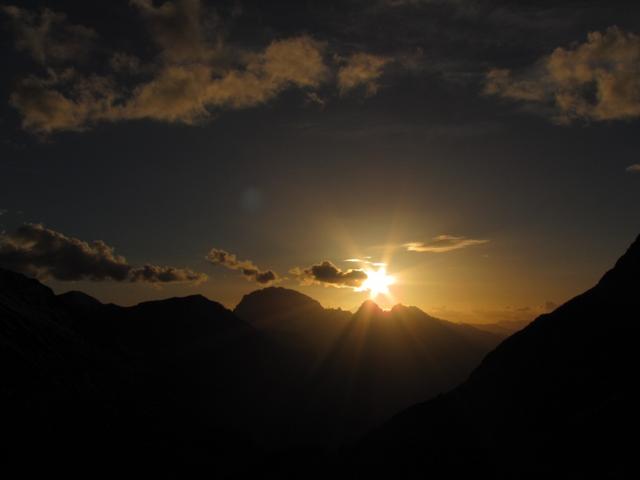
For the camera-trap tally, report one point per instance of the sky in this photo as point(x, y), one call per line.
point(485, 152)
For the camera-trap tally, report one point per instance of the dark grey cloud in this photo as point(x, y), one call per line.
point(48, 36)
point(41, 252)
point(597, 80)
point(248, 269)
point(326, 273)
point(178, 28)
point(165, 274)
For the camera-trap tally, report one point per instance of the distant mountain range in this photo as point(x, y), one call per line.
point(284, 388)
point(185, 381)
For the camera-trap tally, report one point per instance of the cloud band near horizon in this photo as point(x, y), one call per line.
point(327, 274)
point(247, 268)
point(41, 252)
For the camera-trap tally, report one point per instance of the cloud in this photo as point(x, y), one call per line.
point(64, 100)
point(365, 261)
point(176, 93)
point(177, 28)
point(195, 75)
point(48, 36)
point(443, 243)
point(248, 269)
point(361, 70)
point(121, 62)
point(188, 93)
point(326, 273)
point(635, 168)
point(596, 80)
point(164, 274)
point(41, 252)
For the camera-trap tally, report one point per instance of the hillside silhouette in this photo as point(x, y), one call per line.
point(555, 400)
point(185, 383)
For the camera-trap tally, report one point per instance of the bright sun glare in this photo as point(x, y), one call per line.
point(377, 282)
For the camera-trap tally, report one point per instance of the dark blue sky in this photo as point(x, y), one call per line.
point(318, 168)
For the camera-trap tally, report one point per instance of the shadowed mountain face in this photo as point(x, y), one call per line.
point(292, 317)
point(197, 384)
point(356, 370)
point(556, 399)
point(86, 384)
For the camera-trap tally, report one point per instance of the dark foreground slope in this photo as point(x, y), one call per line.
point(556, 400)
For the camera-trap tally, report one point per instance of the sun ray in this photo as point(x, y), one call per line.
point(377, 282)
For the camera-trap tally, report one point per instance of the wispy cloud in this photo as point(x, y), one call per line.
point(443, 243)
point(365, 261)
point(41, 252)
point(248, 269)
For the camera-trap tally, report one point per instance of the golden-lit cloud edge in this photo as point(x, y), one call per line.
point(443, 244)
point(195, 74)
point(596, 80)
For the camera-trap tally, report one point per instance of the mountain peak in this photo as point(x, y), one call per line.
point(76, 298)
point(273, 298)
point(369, 308)
point(27, 288)
point(196, 303)
point(276, 306)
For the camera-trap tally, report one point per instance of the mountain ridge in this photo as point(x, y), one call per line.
point(322, 375)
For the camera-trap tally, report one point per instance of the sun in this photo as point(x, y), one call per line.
point(377, 282)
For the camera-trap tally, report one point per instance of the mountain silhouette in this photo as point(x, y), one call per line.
point(124, 383)
point(556, 399)
point(296, 319)
point(198, 384)
point(355, 370)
